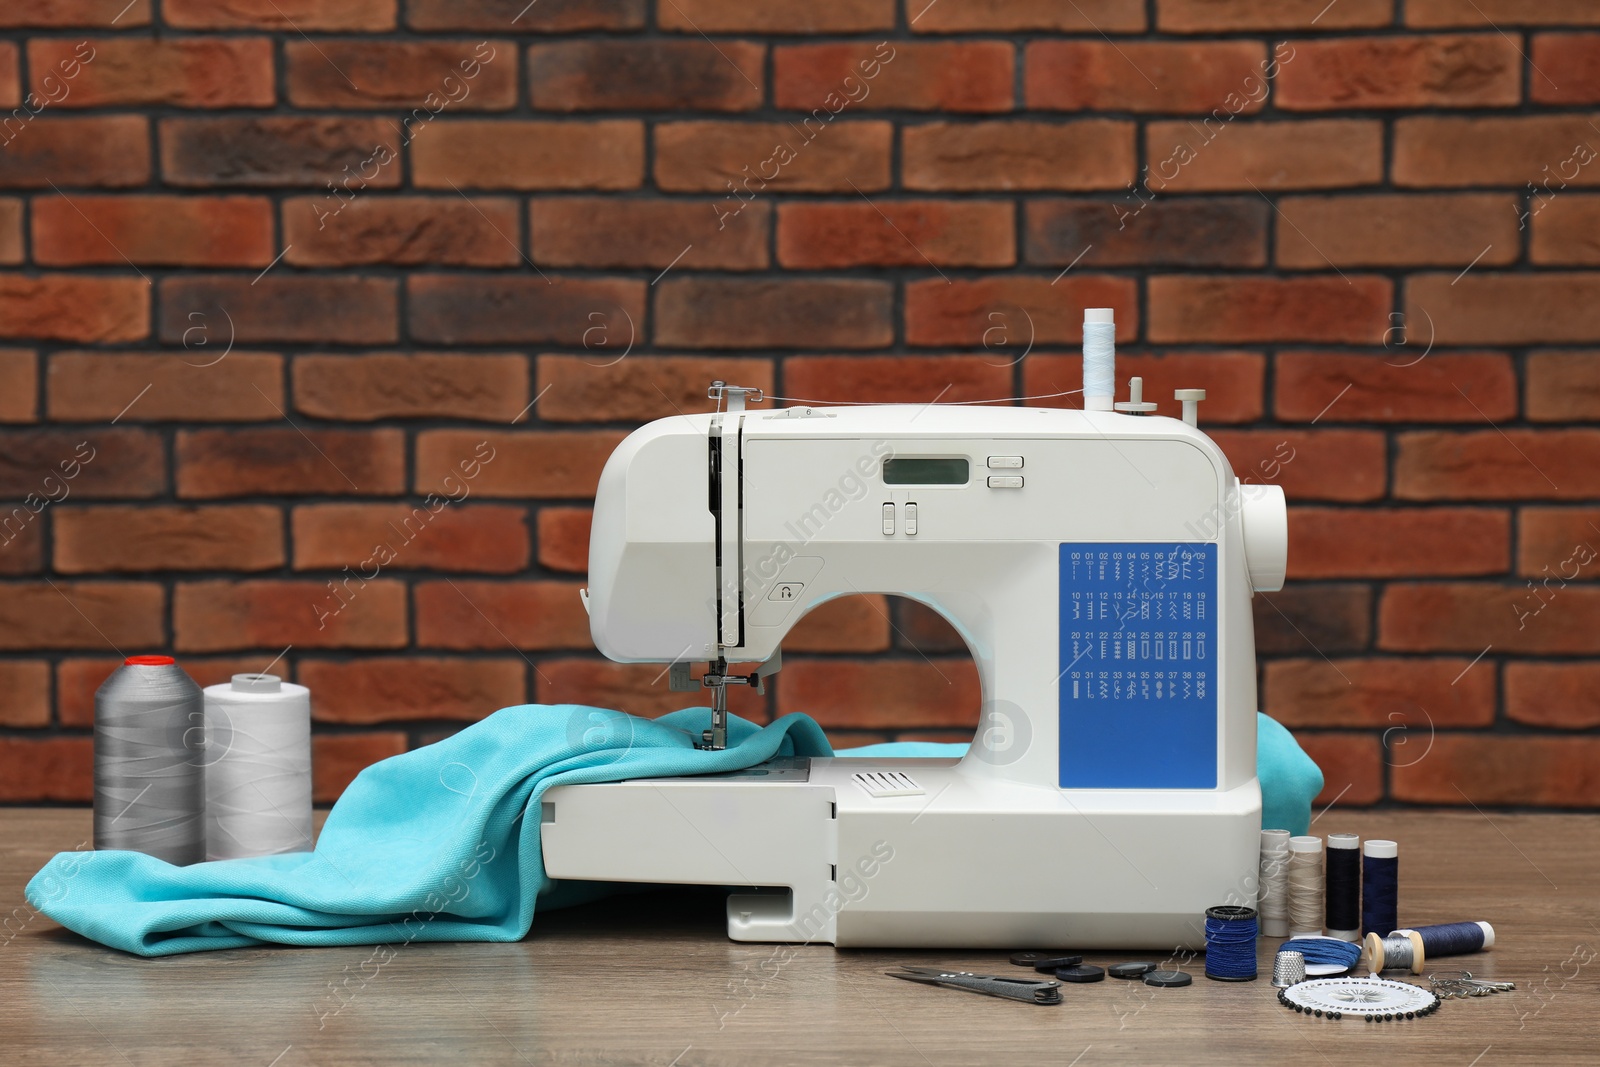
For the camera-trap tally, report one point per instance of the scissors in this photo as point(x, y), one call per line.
point(1028, 990)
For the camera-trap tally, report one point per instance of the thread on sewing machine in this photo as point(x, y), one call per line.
point(1380, 887)
point(1231, 943)
point(149, 743)
point(1306, 885)
point(1272, 897)
point(1322, 953)
point(258, 781)
point(1099, 359)
point(1344, 887)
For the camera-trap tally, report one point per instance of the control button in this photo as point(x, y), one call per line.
point(786, 591)
point(1010, 462)
point(911, 520)
point(888, 520)
point(1005, 481)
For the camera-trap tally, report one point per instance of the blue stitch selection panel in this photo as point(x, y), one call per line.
point(1138, 665)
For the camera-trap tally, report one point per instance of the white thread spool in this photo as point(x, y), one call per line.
point(1273, 898)
point(1099, 359)
point(258, 779)
point(1306, 886)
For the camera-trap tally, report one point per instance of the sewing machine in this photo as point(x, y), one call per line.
point(1099, 564)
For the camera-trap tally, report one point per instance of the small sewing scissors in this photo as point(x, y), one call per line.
point(1028, 990)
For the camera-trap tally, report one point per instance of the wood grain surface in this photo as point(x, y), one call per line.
point(652, 979)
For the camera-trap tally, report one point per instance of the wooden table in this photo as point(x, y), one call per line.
point(652, 979)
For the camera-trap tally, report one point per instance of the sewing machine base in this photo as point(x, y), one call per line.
point(940, 858)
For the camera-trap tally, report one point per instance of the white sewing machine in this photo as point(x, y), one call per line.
point(1099, 565)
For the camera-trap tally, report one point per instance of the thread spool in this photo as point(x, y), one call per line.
point(1231, 943)
point(1273, 897)
point(1344, 887)
point(1410, 949)
point(1380, 887)
point(149, 777)
point(1306, 885)
point(1400, 951)
point(1288, 968)
point(258, 782)
point(1099, 359)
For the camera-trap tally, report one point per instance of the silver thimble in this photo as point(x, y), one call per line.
point(1288, 968)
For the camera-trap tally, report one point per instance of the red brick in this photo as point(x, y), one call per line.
point(1386, 230)
point(1563, 386)
point(1186, 232)
point(597, 313)
point(1508, 309)
point(147, 387)
point(498, 615)
point(518, 154)
point(1406, 698)
point(1564, 227)
point(47, 768)
point(741, 160)
point(522, 464)
point(390, 385)
point(19, 402)
point(281, 150)
point(291, 15)
point(858, 623)
point(564, 539)
point(1022, 309)
point(111, 151)
point(1456, 151)
point(904, 233)
point(41, 615)
point(336, 760)
point(1402, 72)
point(594, 231)
point(1554, 542)
point(408, 230)
point(272, 461)
point(646, 75)
point(234, 231)
point(897, 379)
point(548, 16)
point(78, 678)
point(1159, 76)
point(708, 312)
point(1351, 764)
point(424, 78)
point(988, 16)
point(10, 76)
point(970, 76)
point(384, 689)
point(1306, 154)
point(74, 308)
point(1482, 14)
point(283, 307)
point(1348, 466)
point(10, 232)
point(491, 539)
point(1564, 68)
point(881, 693)
point(149, 71)
point(1512, 464)
point(1196, 308)
point(26, 684)
point(596, 389)
point(96, 463)
point(776, 16)
point(1080, 155)
point(241, 537)
point(636, 688)
point(72, 13)
point(1211, 16)
point(1562, 695)
point(346, 612)
point(1469, 387)
point(1472, 770)
point(1468, 617)
point(1397, 542)
point(1233, 381)
point(918, 628)
point(21, 538)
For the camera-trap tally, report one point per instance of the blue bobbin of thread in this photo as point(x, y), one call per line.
point(1324, 950)
point(1231, 943)
point(1454, 939)
point(1380, 887)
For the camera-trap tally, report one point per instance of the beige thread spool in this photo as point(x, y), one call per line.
point(1307, 882)
point(1272, 901)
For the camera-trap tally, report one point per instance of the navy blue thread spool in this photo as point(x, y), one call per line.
point(1344, 887)
point(1380, 887)
point(1453, 939)
point(1231, 943)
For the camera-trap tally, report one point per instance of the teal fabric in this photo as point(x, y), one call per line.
point(432, 845)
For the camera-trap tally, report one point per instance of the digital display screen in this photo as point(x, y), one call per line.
point(925, 471)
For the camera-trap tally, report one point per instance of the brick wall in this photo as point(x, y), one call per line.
point(272, 274)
